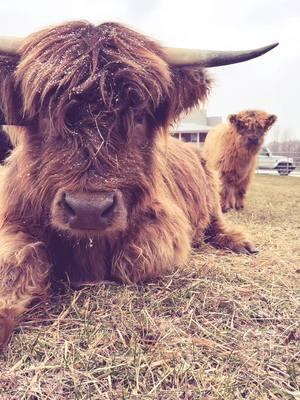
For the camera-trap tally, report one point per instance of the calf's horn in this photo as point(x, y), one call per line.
point(209, 58)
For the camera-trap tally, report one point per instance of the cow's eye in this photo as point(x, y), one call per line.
point(140, 130)
point(140, 119)
point(72, 115)
point(240, 126)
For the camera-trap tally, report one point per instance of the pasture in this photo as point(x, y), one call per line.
point(225, 326)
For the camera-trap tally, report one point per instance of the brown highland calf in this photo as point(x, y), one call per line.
point(95, 187)
point(232, 150)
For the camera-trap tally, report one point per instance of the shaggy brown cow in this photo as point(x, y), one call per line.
point(95, 189)
point(232, 150)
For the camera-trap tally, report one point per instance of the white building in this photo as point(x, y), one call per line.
point(195, 126)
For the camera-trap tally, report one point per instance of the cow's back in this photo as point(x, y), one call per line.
point(188, 181)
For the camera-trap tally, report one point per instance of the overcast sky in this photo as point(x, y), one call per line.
point(271, 82)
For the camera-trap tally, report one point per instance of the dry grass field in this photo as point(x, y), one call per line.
point(225, 326)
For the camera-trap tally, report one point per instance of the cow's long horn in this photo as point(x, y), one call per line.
point(209, 58)
point(10, 44)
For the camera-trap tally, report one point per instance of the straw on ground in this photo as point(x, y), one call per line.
point(225, 326)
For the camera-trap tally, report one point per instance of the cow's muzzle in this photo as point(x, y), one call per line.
point(253, 141)
point(89, 211)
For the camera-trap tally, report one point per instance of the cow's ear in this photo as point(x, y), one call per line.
point(232, 118)
point(190, 87)
point(10, 99)
point(270, 121)
point(236, 121)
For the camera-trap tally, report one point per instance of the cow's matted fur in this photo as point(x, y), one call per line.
point(232, 150)
point(98, 101)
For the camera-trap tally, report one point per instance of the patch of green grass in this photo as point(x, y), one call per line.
point(224, 326)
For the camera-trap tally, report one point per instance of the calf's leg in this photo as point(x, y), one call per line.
point(24, 270)
point(227, 197)
point(240, 196)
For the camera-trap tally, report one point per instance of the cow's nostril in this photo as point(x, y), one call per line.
point(108, 207)
point(68, 208)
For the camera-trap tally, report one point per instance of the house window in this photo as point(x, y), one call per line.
point(194, 137)
point(186, 137)
point(189, 137)
point(202, 137)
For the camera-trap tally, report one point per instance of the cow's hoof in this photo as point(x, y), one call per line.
point(239, 208)
point(245, 248)
point(251, 248)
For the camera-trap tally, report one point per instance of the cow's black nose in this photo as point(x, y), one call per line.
point(253, 141)
point(89, 211)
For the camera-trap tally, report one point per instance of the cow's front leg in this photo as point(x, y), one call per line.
point(24, 269)
point(221, 235)
point(158, 246)
point(240, 196)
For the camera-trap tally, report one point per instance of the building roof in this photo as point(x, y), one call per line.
point(190, 127)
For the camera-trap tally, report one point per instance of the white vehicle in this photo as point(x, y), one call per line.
point(266, 160)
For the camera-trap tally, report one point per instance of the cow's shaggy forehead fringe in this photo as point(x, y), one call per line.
point(113, 74)
point(116, 65)
point(254, 119)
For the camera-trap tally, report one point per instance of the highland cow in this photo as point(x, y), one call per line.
point(232, 150)
point(95, 189)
